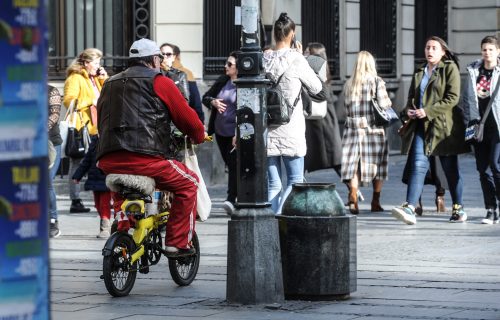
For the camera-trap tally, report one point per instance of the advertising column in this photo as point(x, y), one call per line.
point(24, 265)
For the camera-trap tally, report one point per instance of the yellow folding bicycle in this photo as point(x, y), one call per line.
point(125, 254)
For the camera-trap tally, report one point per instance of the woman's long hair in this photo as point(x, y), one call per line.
point(87, 55)
point(364, 69)
point(448, 54)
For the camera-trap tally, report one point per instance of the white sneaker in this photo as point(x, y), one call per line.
point(229, 207)
point(405, 213)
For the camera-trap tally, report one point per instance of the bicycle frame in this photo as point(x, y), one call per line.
point(143, 226)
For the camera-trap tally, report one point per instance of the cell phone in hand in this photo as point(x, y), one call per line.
point(293, 44)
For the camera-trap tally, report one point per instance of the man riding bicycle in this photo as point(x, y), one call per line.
point(135, 109)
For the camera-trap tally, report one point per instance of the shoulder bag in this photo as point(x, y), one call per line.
point(384, 117)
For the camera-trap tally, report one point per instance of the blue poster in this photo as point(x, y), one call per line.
point(24, 272)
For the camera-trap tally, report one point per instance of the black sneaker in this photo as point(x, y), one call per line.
point(491, 217)
point(78, 207)
point(54, 231)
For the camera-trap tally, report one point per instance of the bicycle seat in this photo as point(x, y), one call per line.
point(131, 185)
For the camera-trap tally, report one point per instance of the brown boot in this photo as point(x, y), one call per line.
point(377, 189)
point(419, 209)
point(376, 207)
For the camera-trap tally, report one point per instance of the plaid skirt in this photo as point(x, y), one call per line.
point(365, 148)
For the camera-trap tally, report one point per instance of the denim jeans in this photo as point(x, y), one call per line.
point(294, 167)
point(488, 156)
point(74, 188)
point(52, 192)
point(419, 164)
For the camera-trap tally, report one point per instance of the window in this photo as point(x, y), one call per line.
point(431, 19)
point(320, 23)
point(220, 35)
point(378, 33)
point(78, 24)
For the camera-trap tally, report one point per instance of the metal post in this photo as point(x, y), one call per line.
point(254, 273)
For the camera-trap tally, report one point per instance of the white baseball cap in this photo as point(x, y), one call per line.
point(144, 48)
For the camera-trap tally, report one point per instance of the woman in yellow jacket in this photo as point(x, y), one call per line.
point(84, 81)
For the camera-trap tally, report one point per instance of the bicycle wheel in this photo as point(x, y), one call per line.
point(119, 277)
point(183, 270)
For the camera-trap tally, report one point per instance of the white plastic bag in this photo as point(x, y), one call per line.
point(204, 204)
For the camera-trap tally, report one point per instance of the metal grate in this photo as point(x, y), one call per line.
point(220, 35)
point(378, 33)
point(431, 19)
point(78, 24)
point(320, 23)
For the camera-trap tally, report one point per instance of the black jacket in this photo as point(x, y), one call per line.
point(96, 180)
point(180, 80)
point(131, 116)
point(324, 144)
point(210, 95)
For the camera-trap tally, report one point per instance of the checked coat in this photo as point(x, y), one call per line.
point(364, 146)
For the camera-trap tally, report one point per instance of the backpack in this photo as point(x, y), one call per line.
point(279, 110)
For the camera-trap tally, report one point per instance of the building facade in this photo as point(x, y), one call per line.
point(394, 31)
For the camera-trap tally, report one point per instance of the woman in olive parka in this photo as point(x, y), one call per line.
point(434, 127)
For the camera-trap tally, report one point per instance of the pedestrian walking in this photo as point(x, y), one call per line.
point(96, 182)
point(364, 145)
point(433, 127)
point(324, 144)
point(56, 140)
point(84, 81)
point(287, 143)
point(221, 100)
point(481, 91)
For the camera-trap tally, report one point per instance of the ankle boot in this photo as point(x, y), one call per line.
point(353, 201)
point(78, 207)
point(419, 209)
point(440, 203)
point(104, 229)
point(376, 207)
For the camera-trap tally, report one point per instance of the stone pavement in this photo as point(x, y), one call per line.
point(433, 270)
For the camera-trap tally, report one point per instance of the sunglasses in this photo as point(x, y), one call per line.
point(229, 64)
point(167, 54)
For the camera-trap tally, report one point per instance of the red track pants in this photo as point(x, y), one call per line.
point(102, 202)
point(169, 175)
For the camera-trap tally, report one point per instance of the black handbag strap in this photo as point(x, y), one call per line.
point(490, 104)
point(286, 100)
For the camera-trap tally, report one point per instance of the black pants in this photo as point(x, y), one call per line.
point(225, 146)
point(488, 157)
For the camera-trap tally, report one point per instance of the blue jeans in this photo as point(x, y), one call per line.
point(294, 167)
point(488, 156)
point(419, 164)
point(52, 192)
